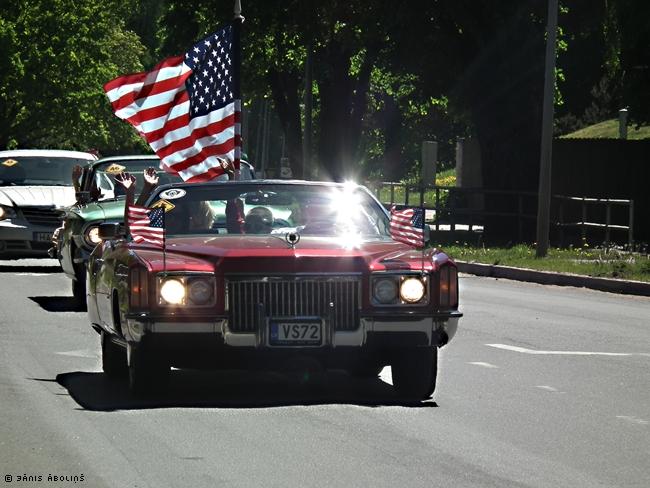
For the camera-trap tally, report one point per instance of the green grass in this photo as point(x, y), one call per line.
point(588, 261)
point(608, 130)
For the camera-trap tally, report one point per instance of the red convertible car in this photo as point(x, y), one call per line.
point(257, 274)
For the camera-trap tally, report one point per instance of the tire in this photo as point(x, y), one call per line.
point(147, 373)
point(113, 358)
point(366, 369)
point(414, 372)
point(79, 291)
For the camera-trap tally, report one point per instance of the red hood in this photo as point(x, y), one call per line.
point(272, 254)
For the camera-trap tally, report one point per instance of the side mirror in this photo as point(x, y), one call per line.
point(83, 197)
point(109, 231)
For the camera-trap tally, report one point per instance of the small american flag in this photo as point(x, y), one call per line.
point(407, 226)
point(147, 225)
point(188, 107)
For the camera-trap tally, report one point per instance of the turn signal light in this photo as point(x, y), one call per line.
point(448, 288)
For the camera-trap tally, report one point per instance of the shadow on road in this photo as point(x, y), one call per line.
point(58, 304)
point(231, 389)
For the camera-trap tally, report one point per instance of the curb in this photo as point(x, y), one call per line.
point(548, 278)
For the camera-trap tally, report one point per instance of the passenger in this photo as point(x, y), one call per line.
point(259, 221)
point(189, 217)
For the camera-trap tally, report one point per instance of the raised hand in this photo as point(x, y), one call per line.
point(126, 180)
point(228, 167)
point(150, 177)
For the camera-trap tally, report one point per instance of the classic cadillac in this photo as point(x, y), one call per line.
point(257, 274)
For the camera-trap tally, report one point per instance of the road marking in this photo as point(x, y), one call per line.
point(81, 353)
point(548, 388)
point(523, 350)
point(386, 375)
point(634, 420)
point(32, 274)
point(485, 365)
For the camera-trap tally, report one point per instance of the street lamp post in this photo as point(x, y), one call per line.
point(544, 195)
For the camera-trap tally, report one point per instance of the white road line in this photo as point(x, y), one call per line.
point(386, 375)
point(32, 274)
point(523, 350)
point(548, 388)
point(485, 365)
point(634, 420)
point(81, 353)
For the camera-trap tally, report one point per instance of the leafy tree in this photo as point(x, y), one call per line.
point(55, 59)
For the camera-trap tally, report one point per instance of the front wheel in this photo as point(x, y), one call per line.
point(147, 373)
point(113, 358)
point(414, 372)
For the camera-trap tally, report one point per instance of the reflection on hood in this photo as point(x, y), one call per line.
point(31, 196)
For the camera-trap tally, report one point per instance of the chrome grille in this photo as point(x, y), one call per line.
point(247, 299)
point(47, 216)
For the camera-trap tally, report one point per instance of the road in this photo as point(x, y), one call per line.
point(542, 387)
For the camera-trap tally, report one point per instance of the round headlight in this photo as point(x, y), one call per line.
point(411, 290)
point(173, 292)
point(7, 213)
point(2, 213)
point(92, 235)
point(385, 290)
point(200, 292)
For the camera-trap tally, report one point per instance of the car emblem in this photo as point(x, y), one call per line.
point(292, 239)
point(173, 193)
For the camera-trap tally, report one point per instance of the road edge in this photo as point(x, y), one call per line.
point(560, 279)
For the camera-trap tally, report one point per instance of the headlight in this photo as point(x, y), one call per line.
point(385, 290)
point(200, 291)
point(91, 236)
point(412, 290)
point(172, 291)
point(7, 213)
point(188, 291)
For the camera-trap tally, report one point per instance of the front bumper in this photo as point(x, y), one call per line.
point(415, 330)
point(20, 239)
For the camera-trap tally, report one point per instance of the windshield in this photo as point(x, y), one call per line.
point(38, 170)
point(103, 176)
point(321, 210)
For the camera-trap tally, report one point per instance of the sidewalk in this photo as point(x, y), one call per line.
point(561, 279)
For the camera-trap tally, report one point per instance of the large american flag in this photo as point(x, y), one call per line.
point(188, 107)
point(407, 225)
point(147, 225)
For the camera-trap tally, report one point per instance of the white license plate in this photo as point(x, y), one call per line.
point(298, 333)
point(43, 236)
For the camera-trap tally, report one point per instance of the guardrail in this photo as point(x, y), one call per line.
point(453, 206)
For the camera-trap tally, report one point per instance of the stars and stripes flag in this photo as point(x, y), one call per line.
point(407, 225)
point(188, 108)
point(147, 225)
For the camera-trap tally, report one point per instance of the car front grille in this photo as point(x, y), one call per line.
point(254, 299)
point(45, 216)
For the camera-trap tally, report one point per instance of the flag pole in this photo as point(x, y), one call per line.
point(239, 111)
point(164, 246)
point(424, 241)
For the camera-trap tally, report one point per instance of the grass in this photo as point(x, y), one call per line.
point(609, 130)
point(596, 262)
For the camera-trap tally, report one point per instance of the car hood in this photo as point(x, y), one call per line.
point(272, 254)
point(30, 196)
point(108, 210)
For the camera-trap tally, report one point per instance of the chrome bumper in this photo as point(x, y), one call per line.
point(432, 327)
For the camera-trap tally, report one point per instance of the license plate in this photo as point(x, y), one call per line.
point(43, 236)
point(295, 333)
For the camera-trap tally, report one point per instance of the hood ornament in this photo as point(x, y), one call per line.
point(292, 239)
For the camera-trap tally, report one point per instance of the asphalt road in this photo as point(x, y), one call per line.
point(542, 387)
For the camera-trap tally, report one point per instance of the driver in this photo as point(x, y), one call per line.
point(259, 220)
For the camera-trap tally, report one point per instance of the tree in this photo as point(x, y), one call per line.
point(56, 58)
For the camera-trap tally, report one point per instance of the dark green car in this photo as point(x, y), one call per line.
point(98, 201)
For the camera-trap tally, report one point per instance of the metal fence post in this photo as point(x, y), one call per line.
point(630, 235)
point(608, 219)
point(583, 229)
